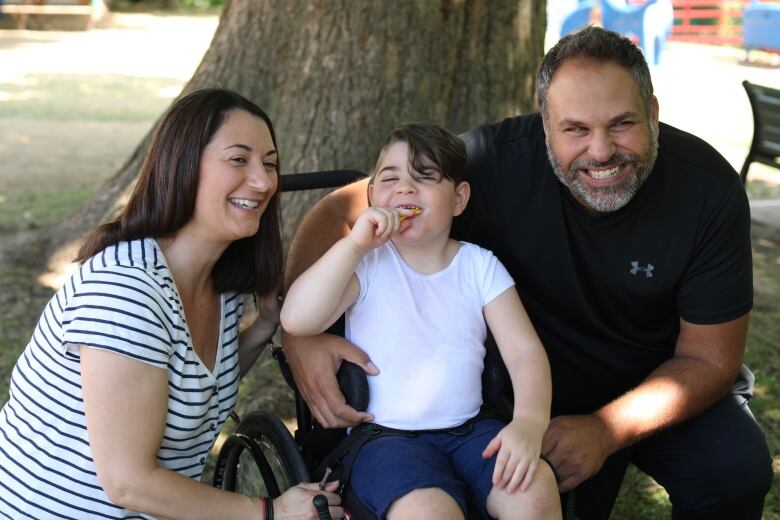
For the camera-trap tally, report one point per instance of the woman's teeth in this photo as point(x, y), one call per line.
point(245, 203)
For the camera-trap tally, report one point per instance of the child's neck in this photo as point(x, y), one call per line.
point(428, 258)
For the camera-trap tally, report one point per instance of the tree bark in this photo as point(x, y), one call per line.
point(337, 75)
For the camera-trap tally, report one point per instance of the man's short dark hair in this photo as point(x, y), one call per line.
point(597, 45)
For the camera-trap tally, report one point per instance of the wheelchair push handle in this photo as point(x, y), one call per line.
point(321, 505)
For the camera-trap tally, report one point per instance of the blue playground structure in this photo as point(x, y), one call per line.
point(648, 24)
point(761, 26)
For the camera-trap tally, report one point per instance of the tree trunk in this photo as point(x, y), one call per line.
point(337, 76)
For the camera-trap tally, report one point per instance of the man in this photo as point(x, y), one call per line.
point(629, 241)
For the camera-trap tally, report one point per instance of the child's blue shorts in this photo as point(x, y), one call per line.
point(392, 466)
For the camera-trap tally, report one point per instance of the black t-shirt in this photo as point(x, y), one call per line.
point(606, 292)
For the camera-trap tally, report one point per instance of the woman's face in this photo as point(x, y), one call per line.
point(238, 177)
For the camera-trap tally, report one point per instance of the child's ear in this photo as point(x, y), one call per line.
point(371, 192)
point(462, 194)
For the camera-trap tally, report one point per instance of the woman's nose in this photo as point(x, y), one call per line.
point(261, 179)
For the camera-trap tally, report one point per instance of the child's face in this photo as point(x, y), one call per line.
point(435, 199)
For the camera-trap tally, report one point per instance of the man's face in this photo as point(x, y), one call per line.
point(601, 142)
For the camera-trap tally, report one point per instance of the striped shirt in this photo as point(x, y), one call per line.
point(122, 300)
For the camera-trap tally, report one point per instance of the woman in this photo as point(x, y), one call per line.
point(134, 365)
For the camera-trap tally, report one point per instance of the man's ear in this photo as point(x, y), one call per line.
point(654, 113)
point(462, 194)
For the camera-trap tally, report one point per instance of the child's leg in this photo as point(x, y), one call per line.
point(540, 501)
point(425, 503)
point(401, 477)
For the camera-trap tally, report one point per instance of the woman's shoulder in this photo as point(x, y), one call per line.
point(136, 265)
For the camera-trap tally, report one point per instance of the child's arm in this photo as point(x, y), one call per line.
point(325, 290)
point(519, 444)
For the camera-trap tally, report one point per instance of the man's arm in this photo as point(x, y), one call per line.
point(705, 364)
point(314, 360)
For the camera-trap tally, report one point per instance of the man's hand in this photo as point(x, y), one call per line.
point(577, 446)
point(314, 361)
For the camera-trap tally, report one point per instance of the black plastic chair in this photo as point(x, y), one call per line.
point(765, 148)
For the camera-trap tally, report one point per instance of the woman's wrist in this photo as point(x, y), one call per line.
point(266, 508)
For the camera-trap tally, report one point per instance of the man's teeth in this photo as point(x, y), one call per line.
point(603, 174)
point(245, 203)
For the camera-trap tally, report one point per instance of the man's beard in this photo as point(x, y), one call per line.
point(607, 198)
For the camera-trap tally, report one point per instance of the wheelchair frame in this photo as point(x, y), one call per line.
point(263, 445)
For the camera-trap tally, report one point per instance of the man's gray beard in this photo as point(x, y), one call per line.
point(607, 198)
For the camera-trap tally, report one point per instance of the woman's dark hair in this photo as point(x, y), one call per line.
point(164, 198)
point(433, 142)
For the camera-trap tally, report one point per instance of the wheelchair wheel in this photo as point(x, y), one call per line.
point(260, 458)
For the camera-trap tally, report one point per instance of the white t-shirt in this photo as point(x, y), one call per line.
point(122, 300)
point(426, 333)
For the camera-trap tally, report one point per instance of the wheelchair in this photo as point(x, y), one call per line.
point(261, 458)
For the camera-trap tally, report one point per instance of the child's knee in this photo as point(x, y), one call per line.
point(540, 501)
point(425, 503)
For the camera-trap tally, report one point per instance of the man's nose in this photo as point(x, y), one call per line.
point(602, 147)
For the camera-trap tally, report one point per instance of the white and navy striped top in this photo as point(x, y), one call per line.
point(122, 300)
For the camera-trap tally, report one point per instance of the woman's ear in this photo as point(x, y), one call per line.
point(462, 194)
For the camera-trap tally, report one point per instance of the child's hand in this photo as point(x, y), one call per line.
point(518, 445)
point(375, 226)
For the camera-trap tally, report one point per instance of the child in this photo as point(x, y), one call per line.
point(417, 302)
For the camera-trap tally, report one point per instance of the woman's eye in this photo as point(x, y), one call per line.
point(238, 160)
point(270, 165)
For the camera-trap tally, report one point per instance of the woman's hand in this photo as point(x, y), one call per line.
point(254, 338)
point(296, 502)
point(268, 309)
point(518, 445)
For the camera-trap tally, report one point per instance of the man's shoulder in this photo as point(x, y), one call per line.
point(526, 126)
point(683, 150)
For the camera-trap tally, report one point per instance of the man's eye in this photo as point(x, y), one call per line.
point(576, 130)
point(622, 125)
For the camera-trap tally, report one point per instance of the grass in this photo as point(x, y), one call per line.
point(88, 97)
point(762, 189)
point(27, 210)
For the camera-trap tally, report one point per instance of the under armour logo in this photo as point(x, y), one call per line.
point(635, 268)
